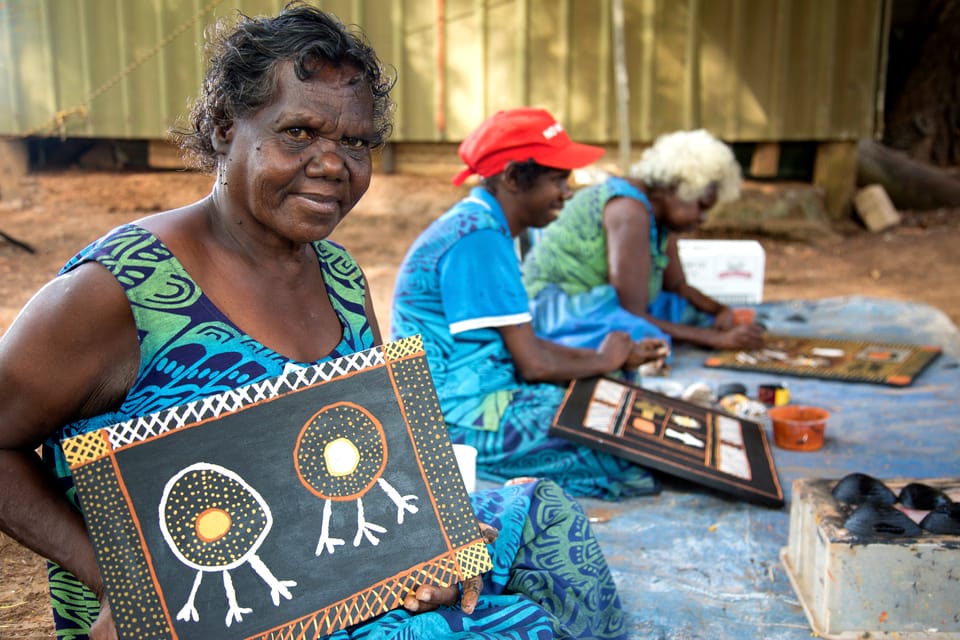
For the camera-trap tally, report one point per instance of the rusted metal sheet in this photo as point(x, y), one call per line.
point(749, 70)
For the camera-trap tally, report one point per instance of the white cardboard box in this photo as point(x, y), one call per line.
point(730, 271)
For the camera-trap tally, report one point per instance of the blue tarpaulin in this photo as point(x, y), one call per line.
point(693, 563)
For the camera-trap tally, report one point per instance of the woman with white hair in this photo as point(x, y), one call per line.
point(610, 262)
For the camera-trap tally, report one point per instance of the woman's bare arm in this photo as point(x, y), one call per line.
point(71, 353)
point(626, 224)
point(675, 280)
point(629, 261)
point(539, 360)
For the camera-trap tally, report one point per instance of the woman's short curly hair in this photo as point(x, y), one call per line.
point(690, 161)
point(244, 59)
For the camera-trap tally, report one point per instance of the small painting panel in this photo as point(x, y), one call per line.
point(707, 446)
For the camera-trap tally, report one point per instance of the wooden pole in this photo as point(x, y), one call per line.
point(623, 86)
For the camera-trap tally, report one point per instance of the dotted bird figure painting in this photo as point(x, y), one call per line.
point(213, 521)
point(340, 454)
point(226, 516)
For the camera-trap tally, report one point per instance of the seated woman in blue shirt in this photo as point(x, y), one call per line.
point(460, 286)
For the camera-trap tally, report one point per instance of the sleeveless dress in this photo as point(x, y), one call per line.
point(567, 277)
point(190, 350)
point(485, 402)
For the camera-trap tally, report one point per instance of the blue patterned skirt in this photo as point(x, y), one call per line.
point(522, 447)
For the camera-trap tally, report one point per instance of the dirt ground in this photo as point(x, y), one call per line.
point(60, 212)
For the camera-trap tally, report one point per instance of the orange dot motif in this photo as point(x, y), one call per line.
point(337, 424)
point(211, 518)
point(213, 524)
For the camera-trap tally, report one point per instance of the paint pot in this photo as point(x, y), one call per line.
point(798, 427)
point(773, 395)
point(467, 462)
point(730, 388)
point(744, 316)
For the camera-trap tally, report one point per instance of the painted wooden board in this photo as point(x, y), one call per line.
point(289, 508)
point(707, 446)
point(848, 360)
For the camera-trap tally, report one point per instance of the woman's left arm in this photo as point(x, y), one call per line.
point(675, 281)
point(626, 225)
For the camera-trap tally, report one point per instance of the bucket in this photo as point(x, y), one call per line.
point(798, 427)
point(467, 462)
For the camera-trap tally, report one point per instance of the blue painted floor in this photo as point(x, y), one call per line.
point(691, 563)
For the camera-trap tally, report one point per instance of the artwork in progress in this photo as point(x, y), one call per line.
point(707, 446)
point(850, 360)
point(289, 508)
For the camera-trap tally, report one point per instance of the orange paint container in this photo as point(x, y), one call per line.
point(744, 316)
point(798, 427)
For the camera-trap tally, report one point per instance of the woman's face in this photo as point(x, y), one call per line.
point(298, 165)
point(682, 215)
point(543, 201)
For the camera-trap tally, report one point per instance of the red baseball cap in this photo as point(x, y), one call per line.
point(519, 135)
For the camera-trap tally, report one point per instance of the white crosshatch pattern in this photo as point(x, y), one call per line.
point(146, 427)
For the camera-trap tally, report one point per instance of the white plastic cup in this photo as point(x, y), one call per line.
point(467, 461)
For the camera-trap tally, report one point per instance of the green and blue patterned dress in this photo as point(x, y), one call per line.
point(566, 275)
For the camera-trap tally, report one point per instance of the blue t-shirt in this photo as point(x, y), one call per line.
point(458, 283)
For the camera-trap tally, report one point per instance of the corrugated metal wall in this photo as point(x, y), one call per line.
point(749, 70)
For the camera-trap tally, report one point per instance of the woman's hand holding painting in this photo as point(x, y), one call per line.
point(724, 319)
point(428, 597)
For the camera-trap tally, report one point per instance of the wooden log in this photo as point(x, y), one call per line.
point(911, 184)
